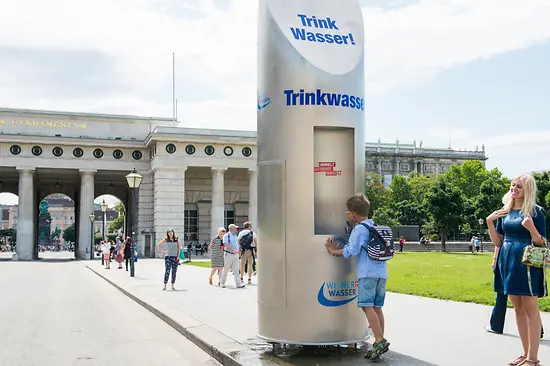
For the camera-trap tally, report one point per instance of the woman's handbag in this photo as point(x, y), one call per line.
point(534, 256)
point(538, 257)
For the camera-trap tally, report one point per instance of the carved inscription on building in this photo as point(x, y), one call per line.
point(48, 124)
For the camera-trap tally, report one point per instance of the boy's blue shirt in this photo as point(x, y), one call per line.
point(364, 266)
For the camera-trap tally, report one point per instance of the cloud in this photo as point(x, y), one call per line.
point(412, 44)
point(115, 56)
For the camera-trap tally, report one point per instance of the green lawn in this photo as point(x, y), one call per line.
point(462, 277)
point(203, 264)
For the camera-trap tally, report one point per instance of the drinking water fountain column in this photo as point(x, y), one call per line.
point(311, 159)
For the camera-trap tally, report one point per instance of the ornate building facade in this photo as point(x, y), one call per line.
point(389, 159)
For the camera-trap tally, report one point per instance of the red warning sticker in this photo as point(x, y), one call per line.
point(327, 167)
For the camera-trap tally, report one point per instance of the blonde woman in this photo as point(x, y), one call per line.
point(172, 254)
point(519, 223)
point(216, 255)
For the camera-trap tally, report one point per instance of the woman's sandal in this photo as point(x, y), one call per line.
point(528, 362)
point(518, 361)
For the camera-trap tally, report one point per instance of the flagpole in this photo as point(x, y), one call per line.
point(174, 112)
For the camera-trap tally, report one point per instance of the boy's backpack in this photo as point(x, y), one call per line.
point(380, 246)
point(246, 241)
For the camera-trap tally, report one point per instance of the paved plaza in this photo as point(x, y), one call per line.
point(422, 331)
point(59, 313)
point(67, 314)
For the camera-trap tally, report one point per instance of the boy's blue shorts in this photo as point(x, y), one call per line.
point(371, 292)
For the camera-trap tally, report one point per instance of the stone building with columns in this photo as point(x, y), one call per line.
point(194, 180)
point(389, 159)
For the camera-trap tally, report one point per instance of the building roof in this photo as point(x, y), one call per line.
point(81, 114)
point(56, 202)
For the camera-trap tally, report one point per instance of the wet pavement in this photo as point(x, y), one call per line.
point(421, 331)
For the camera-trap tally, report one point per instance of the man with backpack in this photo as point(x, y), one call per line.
point(247, 242)
point(373, 247)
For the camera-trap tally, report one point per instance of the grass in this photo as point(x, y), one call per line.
point(202, 264)
point(461, 277)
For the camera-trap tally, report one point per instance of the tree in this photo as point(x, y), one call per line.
point(400, 190)
point(69, 234)
point(385, 217)
point(446, 206)
point(7, 232)
point(118, 223)
point(490, 195)
point(410, 213)
point(468, 177)
point(420, 185)
point(543, 189)
point(376, 192)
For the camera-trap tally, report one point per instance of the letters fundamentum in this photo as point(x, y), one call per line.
point(42, 124)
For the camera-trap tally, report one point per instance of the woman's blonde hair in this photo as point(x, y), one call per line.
point(529, 195)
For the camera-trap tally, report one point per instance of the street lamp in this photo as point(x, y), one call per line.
point(481, 222)
point(92, 219)
point(134, 180)
point(104, 207)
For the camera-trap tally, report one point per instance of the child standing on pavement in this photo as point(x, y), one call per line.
point(371, 274)
point(106, 251)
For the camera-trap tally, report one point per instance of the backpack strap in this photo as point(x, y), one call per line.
point(373, 231)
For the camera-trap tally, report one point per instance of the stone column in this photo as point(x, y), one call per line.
point(26, 215)
point(397, 163)
point(86, 208)
point(380, 166)
point(169, 203)
point(253, 197)
point(218, 200)
point(421, 167)
point(145, 211)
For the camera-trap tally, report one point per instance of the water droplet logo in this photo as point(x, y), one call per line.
point(339, 293)
point(264, 100)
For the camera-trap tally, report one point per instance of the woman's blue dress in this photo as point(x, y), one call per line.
point(510, 273)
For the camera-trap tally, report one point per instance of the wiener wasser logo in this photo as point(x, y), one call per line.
point(333, 294)
point(264, 100)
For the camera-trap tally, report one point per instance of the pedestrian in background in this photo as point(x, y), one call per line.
point(127, 249)
point(106, 252)
point(172, 252)
point(216, 255)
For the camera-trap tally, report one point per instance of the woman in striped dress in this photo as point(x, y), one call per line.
point(216, 255)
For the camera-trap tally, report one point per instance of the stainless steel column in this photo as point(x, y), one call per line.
point(311, 158)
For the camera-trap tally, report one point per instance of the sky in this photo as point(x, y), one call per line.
point(474, 67)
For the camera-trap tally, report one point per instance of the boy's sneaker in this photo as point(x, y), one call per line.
point(378, 349)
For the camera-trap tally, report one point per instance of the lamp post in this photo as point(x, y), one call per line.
point(92, 219)
point(481, 222)
point(104, 207)
point(134, 180)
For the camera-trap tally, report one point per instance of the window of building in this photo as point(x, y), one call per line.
point(241, 220)
point(229, 216)
point(191, 222)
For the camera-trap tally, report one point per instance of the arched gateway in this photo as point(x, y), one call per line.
point(88, 155)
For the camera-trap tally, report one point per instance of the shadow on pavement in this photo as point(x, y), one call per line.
point(323, 356)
